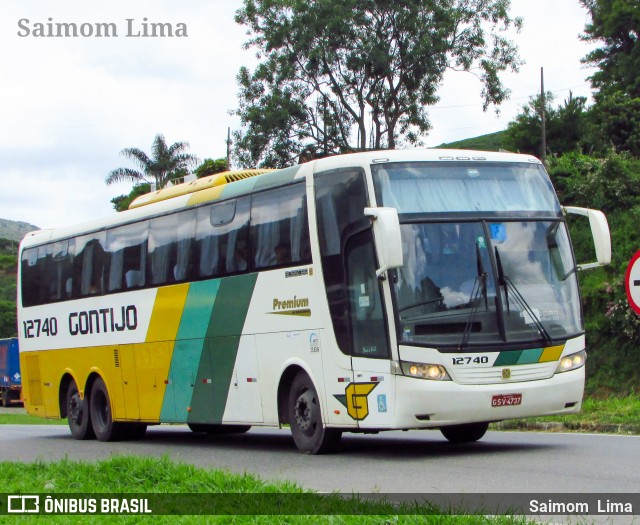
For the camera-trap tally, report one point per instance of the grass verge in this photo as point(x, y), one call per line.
point(618, 415)
point(164, 480)
point(26, 419)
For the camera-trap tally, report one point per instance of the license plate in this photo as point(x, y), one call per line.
point(506, 400)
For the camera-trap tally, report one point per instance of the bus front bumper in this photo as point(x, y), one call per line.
point(427, 404)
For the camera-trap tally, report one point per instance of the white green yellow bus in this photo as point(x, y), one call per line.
point(357, 293)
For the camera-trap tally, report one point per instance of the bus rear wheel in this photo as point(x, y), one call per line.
point(105, 428)
point(78, 416)
point(305, 418)
point(465, 433)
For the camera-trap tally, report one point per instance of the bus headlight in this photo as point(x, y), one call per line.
point(571, 362)
point(425, 371)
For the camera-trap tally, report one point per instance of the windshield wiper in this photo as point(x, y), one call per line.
point(501, 279)
point(505, 281)
point(479, 286)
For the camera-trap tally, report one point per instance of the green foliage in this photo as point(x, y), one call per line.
point(614, 122)
point(8, 246)
point(210, 167)
point(335, 69)
point(8, 271)
point(616, 25)
point(607, 184)
point(8, 319)
point(611, 184)
point(565, 126)
point(122, 202)
point(166, 163)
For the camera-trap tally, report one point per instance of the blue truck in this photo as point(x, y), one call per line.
point(10, 378)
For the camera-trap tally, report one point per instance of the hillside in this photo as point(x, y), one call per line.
point(490, 142)
point(15, 230)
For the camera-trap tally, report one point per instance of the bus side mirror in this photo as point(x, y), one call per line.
point(386, 231)
point(600, 233)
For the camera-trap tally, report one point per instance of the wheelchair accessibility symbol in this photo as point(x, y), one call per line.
point(382, 403)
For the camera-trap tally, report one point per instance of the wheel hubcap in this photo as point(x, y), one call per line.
point(304, 411)
point(75, 408)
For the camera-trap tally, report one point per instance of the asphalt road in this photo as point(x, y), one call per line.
point(391, 462)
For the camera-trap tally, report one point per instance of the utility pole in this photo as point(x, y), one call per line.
point(228, 149)
point(543, 152)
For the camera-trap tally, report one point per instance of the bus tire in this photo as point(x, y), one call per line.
point(78, 416)
point(105, 428)
point(305, 418)
point(465, 433)
point(217, 430)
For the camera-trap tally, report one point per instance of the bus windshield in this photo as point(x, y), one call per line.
point(487, 283)
point(499, 270)
point(445, 187)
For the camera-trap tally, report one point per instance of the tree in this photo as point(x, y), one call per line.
point(565, 126)
point(167, 163)
point(122, 202)
point(211, 167)
point(614, 122)
point(616, 25)
point(333, 69)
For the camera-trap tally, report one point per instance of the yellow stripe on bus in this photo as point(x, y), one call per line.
point(210, 194)
point(167, 312)
point(551, 353)
point(153, 358)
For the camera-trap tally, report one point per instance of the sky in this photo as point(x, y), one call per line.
point(68, 106)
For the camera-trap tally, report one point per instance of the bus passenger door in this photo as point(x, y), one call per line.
point(370, 397)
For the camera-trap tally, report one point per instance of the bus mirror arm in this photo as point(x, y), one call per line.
point(386, 231)
point(599, 231)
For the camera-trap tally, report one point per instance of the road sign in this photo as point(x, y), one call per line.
point(632, 282)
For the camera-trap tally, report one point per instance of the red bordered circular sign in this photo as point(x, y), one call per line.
point(632, 282)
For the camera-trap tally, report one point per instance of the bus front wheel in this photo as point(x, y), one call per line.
point(305, 417)
point(465, 433)
point(78, 414)
point(105, 428)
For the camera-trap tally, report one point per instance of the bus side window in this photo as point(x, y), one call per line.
point(58, 271)
point(127, 247)
point(171, 248)
point(222, 238)
point(280, 228)
point(30, 277)
point(89, 265)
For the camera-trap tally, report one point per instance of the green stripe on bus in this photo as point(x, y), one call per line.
point(238, 188)
point(187, 351)
point(520, 357)
point(276, 178)
point(221, 348)
point(197, 309)
point(529, 357)
point(508, 358)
